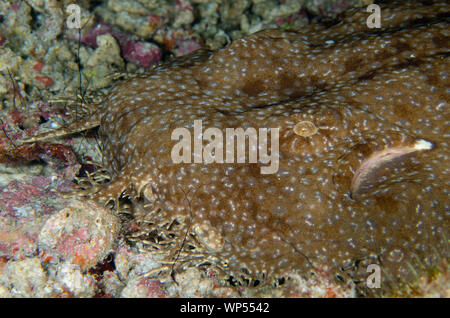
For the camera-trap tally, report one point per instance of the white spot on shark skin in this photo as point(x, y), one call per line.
point(364, 178)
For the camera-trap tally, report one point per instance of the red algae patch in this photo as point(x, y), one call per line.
point(82, 234)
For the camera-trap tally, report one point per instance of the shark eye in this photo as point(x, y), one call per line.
point(305, 128)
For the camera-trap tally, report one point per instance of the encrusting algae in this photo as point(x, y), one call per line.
point(363, 149)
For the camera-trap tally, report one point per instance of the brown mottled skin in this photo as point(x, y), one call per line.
point(340, 95)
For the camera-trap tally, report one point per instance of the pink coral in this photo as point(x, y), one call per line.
point(82, 233)
point(23, 213)
point(143, 53)
point(185, 46)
